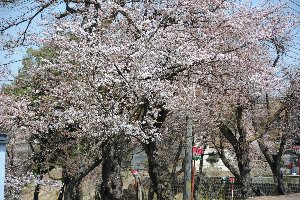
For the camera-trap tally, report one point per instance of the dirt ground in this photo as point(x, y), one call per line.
point(295, 196)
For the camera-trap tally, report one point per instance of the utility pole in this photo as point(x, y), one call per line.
point(188, 159)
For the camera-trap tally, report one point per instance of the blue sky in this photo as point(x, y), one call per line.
point(8, 12)
point(293, 54)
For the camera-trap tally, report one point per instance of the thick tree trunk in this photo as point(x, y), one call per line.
point(151, 193)
point(242, 149)
point(278, 179)
point(243, 173)
point(36, 192)
point(174, 180)
point(37, 187)
point(274, 160)
point(158, 171)
point(72, 192)
point(277, 175)
point(69, 193)
point(78, 192)
point(97, 192)
point(61, 192)
point(246, 183)
point(274, 163)
point(242, 155)
point(111, 186)
point(72, 189)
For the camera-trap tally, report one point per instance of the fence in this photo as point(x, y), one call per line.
point(216, 188)
point(220, 190)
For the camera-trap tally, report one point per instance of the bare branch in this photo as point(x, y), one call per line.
point(227, 162)
point(42, 8)
point(264, 149)
point(226, 131)
point(137, 32)
point(268, 124)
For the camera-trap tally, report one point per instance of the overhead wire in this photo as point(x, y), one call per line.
point(293, 47)
point(298, 59)
point(11, 62)
point(294, 3)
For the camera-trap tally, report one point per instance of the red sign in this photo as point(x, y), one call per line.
point(197, 152)
point(297, 149)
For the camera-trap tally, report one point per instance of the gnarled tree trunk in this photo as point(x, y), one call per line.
point(274, 163)
point(159, 172)
point(242, 155)
point(237, 137)
point(70, 188)
point(111, 186)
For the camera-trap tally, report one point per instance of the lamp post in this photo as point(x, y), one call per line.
point(3, 141)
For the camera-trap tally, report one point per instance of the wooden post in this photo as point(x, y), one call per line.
point(140, 193)
point(193, 179)
point(231, 180)
point(136, 186)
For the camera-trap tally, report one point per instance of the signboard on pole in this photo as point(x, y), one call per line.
point(197, 153)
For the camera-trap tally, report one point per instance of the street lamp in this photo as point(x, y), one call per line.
point(3, 141)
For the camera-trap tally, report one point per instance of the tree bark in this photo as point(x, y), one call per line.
point(71, 191)
point(36, 192)
point(111, 186)
point(158, 169)
point(151, 193)
point(277, 175)
point(37, 187)
point(274, 163)
point(78, 192)
point(241, 148)
point(245, 169)
point(158, 172)
point(174, 181)
point(61, 192)
point(274, 160)
point(68, 192)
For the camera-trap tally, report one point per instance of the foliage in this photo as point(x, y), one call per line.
point(212, 158)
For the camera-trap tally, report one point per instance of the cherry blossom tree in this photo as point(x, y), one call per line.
point(122, 67)
point(278, 137)
point(53, 146)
